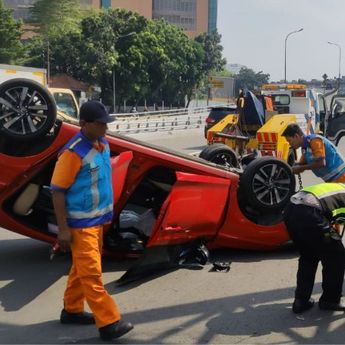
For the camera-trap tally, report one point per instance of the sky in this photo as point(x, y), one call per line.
point(254, 31)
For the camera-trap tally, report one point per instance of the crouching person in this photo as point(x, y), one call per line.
point(83, 203)
point(309, 219)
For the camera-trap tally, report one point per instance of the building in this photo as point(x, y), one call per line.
point(144, 7)
point(21, 8)
point(193, 16)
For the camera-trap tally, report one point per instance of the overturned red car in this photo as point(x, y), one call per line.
point(168, 206)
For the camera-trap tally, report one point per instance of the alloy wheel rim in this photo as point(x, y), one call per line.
point(271, 184)
point(23, 110)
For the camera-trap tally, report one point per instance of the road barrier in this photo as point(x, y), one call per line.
point(166, 120)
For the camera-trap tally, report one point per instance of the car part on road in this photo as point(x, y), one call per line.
point(27, 109)
point(198, 255)
point(220, 267)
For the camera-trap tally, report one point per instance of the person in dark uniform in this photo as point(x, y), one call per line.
point(310, 219)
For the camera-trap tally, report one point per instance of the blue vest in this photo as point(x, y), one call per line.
point(335, 165)
point(89, 201)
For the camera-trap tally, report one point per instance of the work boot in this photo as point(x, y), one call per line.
point(299, 306)
point(82, 318)
point(337, 306)
point(115, 330)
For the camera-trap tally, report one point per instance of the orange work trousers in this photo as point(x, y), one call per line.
point(85, 278)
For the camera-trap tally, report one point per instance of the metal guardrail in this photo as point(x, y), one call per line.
point(154, 124)
point(165, 120)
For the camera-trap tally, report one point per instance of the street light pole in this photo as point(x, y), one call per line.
point(114, 81)
point(48, 63)
point(114, 94)
point(339, 47)
point(287, 36)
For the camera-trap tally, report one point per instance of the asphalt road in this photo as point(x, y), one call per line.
point(250, 304)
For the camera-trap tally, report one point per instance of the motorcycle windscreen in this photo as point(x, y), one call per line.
point(192, 213)
point(119, 166)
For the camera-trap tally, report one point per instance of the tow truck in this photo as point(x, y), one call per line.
point(255, 131)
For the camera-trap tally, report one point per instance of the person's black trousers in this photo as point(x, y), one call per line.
point(307, 227)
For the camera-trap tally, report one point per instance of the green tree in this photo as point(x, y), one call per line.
point(152, 60)
point(11, 47)
point(247, 78)
point(110, 40)
point(213, 60)
point(56, 17)
point(179, 61)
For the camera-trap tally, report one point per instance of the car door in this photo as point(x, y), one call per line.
point(119, 166)
point(335, 128)
point(194, 209)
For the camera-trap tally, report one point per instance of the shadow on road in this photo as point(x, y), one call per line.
point(247, 317)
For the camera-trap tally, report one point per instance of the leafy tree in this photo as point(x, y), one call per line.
point(249, 79)
point(213, 60)
point(111, 44)
point(152, 60)
point(224, 73)
point(11, 47)
point(56, 17)
point(179, 61)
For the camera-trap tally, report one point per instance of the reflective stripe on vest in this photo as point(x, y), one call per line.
point(331, 196)
point(92, 214)
point(325, 189)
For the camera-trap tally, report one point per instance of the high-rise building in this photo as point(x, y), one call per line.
point(194, 16)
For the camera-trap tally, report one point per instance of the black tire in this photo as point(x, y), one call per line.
point(338, 140)
point(267, 184)
point(204, 153)
point(291, 158)
point(247, 159)
point(27, 109)
point(220, 154)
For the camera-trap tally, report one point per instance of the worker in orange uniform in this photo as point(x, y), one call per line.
point(83, 203)
point(318, 155)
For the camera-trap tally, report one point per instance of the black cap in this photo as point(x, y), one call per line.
point(94, 111)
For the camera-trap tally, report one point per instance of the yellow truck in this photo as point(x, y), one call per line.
point(255, 132)
point(66, 103)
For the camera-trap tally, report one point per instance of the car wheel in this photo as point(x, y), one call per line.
point(267, 184)
point(27, 109)
point(291, 158)
point(220, 154)
point(338, 140)
point(204, 153)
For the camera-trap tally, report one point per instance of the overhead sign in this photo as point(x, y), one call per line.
point(216, 83)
